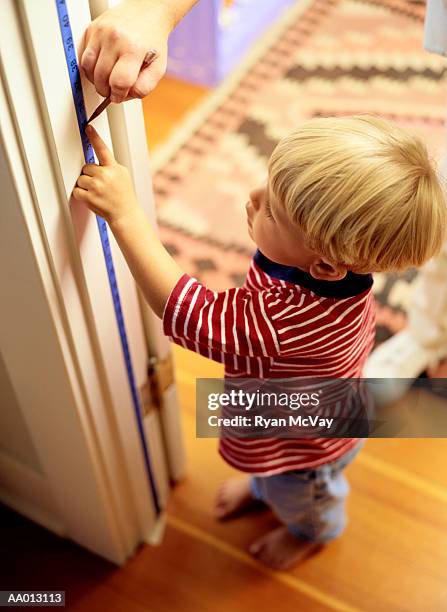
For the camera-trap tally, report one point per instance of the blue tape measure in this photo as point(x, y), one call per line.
point(78, 98)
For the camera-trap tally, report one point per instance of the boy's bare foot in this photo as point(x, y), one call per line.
point(280, 550)
point(234, 497)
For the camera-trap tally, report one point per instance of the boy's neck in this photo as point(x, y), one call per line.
point(352, 284)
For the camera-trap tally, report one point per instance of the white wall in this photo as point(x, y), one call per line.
point(15, 439)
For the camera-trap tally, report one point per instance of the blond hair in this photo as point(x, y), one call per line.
point(363, 191)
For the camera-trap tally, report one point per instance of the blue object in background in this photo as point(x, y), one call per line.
point(212, 39)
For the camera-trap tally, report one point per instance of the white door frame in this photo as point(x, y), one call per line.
point(127, 129)
point(59, 338)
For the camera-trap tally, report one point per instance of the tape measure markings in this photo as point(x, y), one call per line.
point(78, 99)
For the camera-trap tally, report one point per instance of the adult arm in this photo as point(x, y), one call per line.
point(115, 44)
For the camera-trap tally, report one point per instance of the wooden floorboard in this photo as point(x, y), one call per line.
point(166, 106)
point(185, 574)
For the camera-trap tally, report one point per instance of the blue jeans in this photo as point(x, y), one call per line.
point(311, 503)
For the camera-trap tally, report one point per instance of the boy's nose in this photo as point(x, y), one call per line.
point(255, 197)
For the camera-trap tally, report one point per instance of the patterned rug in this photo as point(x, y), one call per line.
point(336, 57)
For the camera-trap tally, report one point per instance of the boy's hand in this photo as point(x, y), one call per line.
point(106, 189)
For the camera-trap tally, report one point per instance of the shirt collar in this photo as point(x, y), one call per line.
point(349, 286)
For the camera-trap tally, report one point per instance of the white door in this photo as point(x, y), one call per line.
point(76, 454)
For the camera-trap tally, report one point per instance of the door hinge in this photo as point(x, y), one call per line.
point(160, 376)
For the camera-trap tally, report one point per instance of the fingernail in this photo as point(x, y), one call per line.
point(150, 56)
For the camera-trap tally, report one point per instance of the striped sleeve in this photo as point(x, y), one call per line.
point(217, 324)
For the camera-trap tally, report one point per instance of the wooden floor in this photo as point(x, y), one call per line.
point(166, 106)
point(392, 557)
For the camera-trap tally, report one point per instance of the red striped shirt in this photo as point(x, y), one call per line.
point(277, 328)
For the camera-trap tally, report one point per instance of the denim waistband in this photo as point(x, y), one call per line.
point(333, 466)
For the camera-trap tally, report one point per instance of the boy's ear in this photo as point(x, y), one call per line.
point(322, 269)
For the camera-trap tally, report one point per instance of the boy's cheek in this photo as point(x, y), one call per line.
point(259, 232)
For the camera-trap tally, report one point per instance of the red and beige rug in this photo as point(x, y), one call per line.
point(328, 57)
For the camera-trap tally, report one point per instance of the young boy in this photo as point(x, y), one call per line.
point(345, 197)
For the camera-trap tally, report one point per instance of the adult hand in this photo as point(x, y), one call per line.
point(115, 44)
